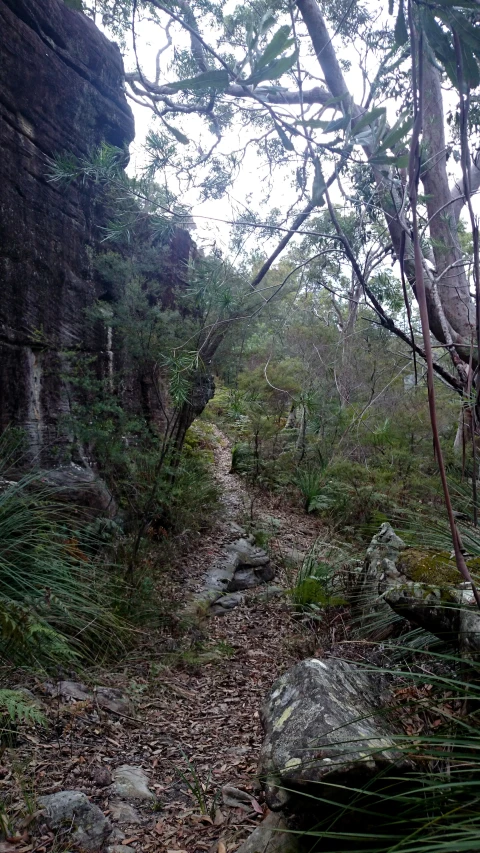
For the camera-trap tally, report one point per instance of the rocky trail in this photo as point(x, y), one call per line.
point(163, 755)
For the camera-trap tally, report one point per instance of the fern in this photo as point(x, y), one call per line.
point(15, 708)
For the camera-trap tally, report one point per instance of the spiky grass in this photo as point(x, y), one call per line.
point(56, 602)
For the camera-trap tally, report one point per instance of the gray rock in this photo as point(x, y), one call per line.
point(236, 798)
point(123, 813)
point(374, 613)
point(272, 836)
point(119, 848)
point(116, 836)
point(89, 826)
point(243, 579)
point(114, 700)
point(445, 609)
point(227, 602)
point(270, 591)
point(81, 486)
point(106, 697)
point(220, 575)
point(131, 783)
point(322, 725)
point(248, 554)
point(249, 577)
point(67, 690)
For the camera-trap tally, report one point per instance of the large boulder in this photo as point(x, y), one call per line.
point(323, 724)
point(420, 585)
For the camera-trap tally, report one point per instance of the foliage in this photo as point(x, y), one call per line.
point(56, 602)
point(16, 708)
point(318, 584)
point(199, 789)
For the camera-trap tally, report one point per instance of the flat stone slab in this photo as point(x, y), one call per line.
point(226, 603)
point(248, 554)
point(131, 783)
point(321, 724)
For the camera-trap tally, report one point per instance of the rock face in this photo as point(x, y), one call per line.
point(61, 91)
point(323, 725)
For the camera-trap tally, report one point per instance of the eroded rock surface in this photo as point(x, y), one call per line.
point(89, 828)
point(323, 724)
point(421, 586)
point(272, 836)
point(61, 91)
point(131, 783)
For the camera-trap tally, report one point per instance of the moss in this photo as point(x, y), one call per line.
point(433, 567)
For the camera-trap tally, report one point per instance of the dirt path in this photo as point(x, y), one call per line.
point(196, 703)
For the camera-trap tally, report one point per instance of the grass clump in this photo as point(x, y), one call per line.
point(57, 602)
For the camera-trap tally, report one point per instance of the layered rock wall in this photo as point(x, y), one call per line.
point(61, 91)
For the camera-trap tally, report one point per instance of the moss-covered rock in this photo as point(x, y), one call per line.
point(431, 567)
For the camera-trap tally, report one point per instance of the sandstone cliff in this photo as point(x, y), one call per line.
point(61, 90)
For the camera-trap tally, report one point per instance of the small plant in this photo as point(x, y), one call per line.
point(198, 789)
point(309, 481)
point(15, 708)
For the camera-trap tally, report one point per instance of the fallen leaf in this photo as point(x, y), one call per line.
point(219, 817)
point(256, 806)
point(221, 847)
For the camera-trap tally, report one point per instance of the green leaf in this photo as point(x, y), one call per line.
point(368, 118)
point(179, 136)
point(273, 71)
point(338, 124)
point(400, 162)
point(319, 185)
point(401, 32)
point(286, 142)
point(470, 67)
point(398, 132)
point(278, 44)
point(440, 44)
point(267, 21)
point(215, 79)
